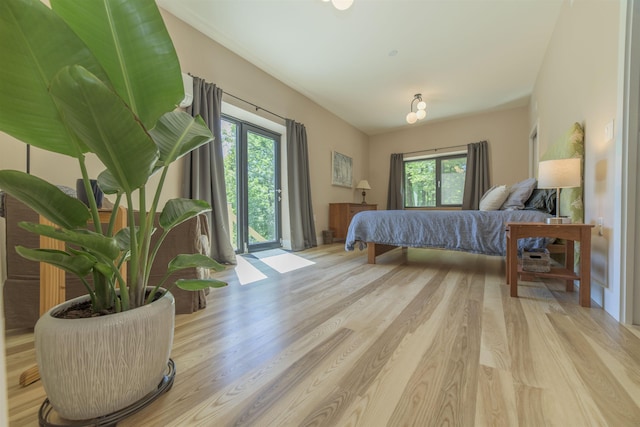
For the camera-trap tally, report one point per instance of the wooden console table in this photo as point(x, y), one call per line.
point(571, 233)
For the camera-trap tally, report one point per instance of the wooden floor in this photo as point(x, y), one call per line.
point(423, 338)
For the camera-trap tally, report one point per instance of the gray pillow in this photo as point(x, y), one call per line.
point(519, 193)
point(542, 200)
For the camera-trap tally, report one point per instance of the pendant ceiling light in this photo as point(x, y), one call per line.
point(341, 4)
point(420, 112)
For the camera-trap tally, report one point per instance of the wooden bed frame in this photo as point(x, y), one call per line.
point(375, 249)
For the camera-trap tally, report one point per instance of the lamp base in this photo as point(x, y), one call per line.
point(558, 220)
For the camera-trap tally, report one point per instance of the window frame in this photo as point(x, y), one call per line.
point(438, 159)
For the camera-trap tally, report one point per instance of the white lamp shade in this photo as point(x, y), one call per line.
point(561, 173)
point(421, 114)
point(422, 105)
point(342, 4)
point(363, 185)
point(412, 118)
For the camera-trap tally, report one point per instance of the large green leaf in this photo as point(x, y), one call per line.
point(177, 211)
point(131, 42)
point(178, 133)
point(100, 118)
point(34, 44)
point(78, 265)
point(44, 198)
point(107, 247)
point(108, 183)
point(198, 284)
point(183, 261)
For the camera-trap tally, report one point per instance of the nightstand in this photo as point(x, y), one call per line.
point(340, 215)
point(571, 233)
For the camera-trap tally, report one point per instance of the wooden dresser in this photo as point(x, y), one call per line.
point(340, 215)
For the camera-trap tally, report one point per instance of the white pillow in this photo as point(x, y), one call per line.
point(493, 199)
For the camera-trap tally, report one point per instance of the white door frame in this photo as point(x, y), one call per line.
point(627, 158)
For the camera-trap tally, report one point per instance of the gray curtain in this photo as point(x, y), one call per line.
point(476, 181)
point(204, 170)
point(395, 193)
point(303, 230)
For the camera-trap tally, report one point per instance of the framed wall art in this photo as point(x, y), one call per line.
point(341, 170)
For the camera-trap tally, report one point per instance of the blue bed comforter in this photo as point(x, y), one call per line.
point(481, 232)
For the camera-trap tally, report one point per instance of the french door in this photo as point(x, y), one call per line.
point(252, 179)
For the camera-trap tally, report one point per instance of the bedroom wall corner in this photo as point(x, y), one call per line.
point(579, 82)
point(507, 132)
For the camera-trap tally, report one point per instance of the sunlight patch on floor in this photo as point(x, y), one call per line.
point(276, 259)
point(286, 262)
point(246, 272)
point(268, 253)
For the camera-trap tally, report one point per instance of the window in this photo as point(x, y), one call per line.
point(435, 181)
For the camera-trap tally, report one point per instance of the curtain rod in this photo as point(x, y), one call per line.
point(254, 105)
point(435, 149)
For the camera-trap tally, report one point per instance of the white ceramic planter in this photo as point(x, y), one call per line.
point(93, 367)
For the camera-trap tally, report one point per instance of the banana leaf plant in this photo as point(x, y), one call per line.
point(99, 77)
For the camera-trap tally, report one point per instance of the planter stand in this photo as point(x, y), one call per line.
point(111, 420)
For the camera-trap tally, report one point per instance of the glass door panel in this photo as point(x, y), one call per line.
point(230, 156)
point(263, 197)
point(252, 180)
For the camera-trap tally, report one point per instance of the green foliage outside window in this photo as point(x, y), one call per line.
point(420, 183)
point(229, 151)
point(434, 182)
point(261, 182)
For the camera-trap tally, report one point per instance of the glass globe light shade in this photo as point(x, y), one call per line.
point(421, 114)
point(422, 105)
point(342, 4)
point(412, 118)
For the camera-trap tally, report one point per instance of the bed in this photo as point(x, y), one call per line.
point(481, 232)
point(477, 231)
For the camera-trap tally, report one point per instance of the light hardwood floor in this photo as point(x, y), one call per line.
point(422, 338)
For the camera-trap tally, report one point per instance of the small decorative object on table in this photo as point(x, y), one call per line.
point(536, 260)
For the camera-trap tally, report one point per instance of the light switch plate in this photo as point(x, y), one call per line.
point(608, 131)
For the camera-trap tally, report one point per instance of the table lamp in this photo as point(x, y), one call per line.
point(561, 173)
point(363, 185)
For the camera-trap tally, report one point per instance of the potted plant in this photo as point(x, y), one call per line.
point(100, 78)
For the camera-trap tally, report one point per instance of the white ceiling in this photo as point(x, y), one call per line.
point(366, 63)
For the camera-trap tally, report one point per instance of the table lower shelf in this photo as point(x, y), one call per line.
point(556, 272)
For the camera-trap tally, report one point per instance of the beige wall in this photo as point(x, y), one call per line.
point(204, 58)
point(578, 82)
point(507, 132)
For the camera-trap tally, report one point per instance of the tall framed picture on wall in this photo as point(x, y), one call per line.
point(341, 170)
